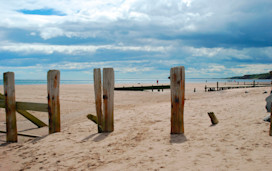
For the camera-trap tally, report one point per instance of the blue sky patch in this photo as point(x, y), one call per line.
point(212, 39)
point(44, 11)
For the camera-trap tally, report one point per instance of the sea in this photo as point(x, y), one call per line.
point(139, 81)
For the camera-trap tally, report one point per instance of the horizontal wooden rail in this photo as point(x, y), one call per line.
point(25, 135)
point(40, 107)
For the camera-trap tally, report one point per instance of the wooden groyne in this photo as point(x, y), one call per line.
point(226, 87)
point(142, 88)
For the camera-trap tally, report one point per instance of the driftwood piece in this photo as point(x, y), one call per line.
point(95, 120)
point(213, 118)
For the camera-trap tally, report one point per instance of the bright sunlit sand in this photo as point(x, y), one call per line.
point(141, 139)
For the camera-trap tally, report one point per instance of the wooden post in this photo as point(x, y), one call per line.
point(270, 131)
point(108, 99)
point(254, 83)
point(213, 118)
point(205, 88)
point(98, 100)
point(53, 82)
point(10, 106)
point(177, 77)
point(217, 86)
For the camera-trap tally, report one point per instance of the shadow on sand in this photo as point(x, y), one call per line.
point(177, 138)
point(97, 137)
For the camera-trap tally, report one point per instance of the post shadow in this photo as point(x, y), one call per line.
point(177, 138)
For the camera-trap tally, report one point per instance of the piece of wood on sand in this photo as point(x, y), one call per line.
point(10, 107)
point(98, 100)
point(213, 118)
point(53, 82)
point(108, 99)
point(177, 77)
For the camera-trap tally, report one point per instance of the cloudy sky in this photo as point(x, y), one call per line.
point(138, 38)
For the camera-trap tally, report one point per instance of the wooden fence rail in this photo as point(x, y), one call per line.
point(8, 102)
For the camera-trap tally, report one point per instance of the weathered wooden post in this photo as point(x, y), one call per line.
point(98, 100)
point(205, 88)
point(53, 82)
point(177, 77)
point(270, 131)
point(108, 99)
point(10, 106)
point(217, 86)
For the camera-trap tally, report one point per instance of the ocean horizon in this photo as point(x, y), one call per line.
point(137, 81)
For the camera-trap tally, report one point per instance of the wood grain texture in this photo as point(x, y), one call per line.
point(98, 99)
point(108, 99)
point(53, 82)
point(10, 107)
point(39, 107)
point(270, 130)
point(177, 78)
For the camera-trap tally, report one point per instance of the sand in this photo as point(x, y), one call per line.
point(141, 139)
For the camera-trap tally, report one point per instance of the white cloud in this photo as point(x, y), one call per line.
point(72, 49)
point(251, 69)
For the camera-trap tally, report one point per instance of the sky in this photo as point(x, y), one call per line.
point(140, 39)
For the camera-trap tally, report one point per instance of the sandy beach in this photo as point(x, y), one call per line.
point(141, 139)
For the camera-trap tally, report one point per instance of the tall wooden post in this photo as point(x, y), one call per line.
point(98, 100)
point(177, 77)
point(53, 82)
point(217, 86)
point(270, 131)
point(108, 99)
point(10, 106)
